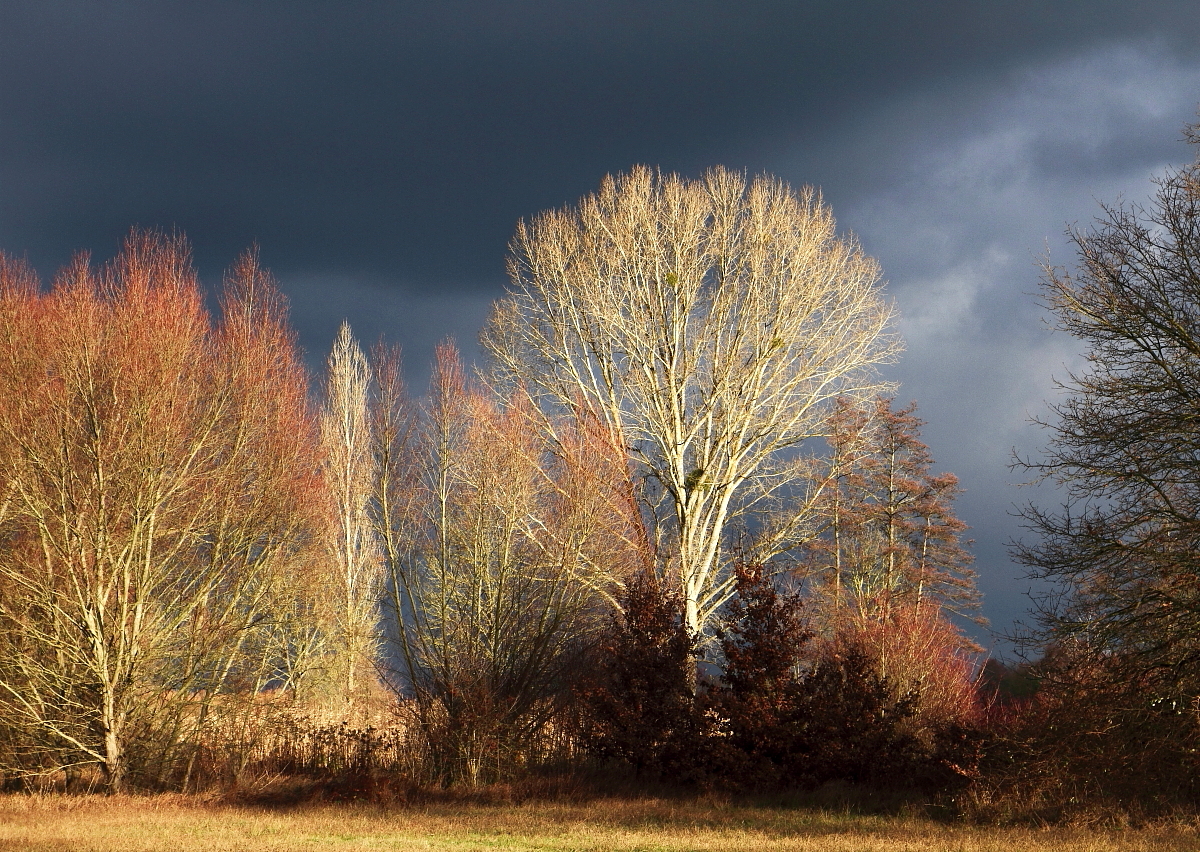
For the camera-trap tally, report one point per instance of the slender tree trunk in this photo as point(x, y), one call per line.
point(114, 753)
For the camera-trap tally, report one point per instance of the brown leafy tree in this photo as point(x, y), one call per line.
point(764, 642)
point(637, 699)
point(853, 723)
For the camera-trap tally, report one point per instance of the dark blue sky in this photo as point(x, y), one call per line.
point(381, 153)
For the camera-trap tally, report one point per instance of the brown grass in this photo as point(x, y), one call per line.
point(178, 824)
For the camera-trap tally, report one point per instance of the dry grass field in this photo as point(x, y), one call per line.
point(83, 824)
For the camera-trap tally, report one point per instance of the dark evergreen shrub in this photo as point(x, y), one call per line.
point(637, 700)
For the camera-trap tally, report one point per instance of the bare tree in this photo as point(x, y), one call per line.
point(1124, 447)
point(888, 536)
point(708, 323)
point(351, 472)
point(155, 488)
point(500, 554)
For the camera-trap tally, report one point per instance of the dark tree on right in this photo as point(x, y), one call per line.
point(1122, 552)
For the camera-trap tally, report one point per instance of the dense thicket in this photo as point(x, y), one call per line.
point(786, 710)
point(1084, 738)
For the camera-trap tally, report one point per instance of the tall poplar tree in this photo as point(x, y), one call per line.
point(351, 471)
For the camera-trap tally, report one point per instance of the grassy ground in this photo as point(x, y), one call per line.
point(82, 824)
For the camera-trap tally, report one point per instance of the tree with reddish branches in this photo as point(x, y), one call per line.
point(501, 547)
point(889, 537)
point(158, 490)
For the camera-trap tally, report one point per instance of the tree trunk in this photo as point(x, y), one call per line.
point(114, 757)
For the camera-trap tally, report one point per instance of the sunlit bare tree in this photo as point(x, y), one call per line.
point(709, 323)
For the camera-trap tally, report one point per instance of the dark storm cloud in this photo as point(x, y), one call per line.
point(404, 138)
point(981, 191)
point(381, 153)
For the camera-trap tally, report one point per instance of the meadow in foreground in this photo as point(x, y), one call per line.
point(108, 824)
